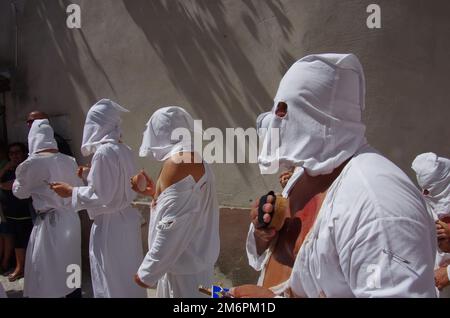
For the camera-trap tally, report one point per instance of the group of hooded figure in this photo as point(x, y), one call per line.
point(184, 221)
point(362, 229)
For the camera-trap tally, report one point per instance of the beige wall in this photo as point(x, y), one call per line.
point(223, 60)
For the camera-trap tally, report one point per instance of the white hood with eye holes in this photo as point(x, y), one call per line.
point(433, 174)
point(325, 95)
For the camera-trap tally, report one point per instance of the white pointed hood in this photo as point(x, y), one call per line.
point(161, 139)
point(325, 95)
point(433, 174)
point(102, 125)
point(41, 137)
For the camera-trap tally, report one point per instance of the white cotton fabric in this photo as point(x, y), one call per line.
point(102, 125)
point(259, 262)
point(373, 236)
point(183, 238)
point(184, 227)
point(433, 174)
point(325, 95)
point(115, 246)
point(41, 137)
point(371, 219)
point(161, 140)
point(55, 241)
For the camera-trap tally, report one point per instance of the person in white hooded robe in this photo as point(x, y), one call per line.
point(55, 242)
point(433, 177)
point(372, 236)
point(115, 247)
point(184, 226)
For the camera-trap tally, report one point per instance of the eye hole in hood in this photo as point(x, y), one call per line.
point(282, 110)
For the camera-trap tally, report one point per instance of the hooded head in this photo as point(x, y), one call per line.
point(102, 125)
point(433, 176)
point(322, 98)
point(41, 137)
point(169, 131)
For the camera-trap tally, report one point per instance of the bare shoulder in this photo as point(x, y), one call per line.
point(175, 170)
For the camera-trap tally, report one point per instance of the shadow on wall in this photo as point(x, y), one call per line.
point(199, 49)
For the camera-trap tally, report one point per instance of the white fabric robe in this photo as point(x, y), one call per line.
point(115, 247)
point(183, 239)
point(55, 242)
point(373, 237)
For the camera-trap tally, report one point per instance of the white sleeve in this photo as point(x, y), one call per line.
point(21, 186)
point(174, 232)
point(257, 262)
point(102, 184)
point(388, 257)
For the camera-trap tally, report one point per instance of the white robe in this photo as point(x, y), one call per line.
point(373, 237)
point(55, 242)
point(115, 247)
point(183, 238)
